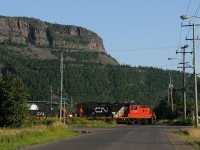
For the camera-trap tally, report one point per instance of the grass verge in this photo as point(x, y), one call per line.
point(83, 122)
point(191, 135)
point(44, 131)
point(14, 138)
point(177, 122)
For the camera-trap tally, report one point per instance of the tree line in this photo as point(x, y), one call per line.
point(88, 81)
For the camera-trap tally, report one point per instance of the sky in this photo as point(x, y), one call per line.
point(134, 32)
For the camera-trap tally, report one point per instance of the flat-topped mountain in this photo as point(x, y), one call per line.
point(22, 30)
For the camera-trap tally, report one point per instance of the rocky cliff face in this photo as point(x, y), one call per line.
point(21, 30)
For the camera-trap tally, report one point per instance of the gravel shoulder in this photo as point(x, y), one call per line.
point(178, 142)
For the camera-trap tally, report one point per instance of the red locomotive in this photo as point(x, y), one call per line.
point(130, 113)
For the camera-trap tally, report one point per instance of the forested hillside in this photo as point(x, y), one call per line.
point(85, 80)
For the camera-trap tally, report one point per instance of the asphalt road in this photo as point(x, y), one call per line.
point(119, 138)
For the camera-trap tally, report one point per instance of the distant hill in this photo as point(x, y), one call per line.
point(36, 39)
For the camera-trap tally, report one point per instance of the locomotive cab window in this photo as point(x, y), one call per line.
point(134, 107)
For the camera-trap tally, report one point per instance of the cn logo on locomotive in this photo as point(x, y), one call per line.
point(40, 113)
point(100, 109)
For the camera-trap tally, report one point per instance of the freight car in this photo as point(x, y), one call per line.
point(130, 113)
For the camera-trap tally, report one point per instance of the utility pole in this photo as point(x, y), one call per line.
point(71, 102)
point(170, 88)
point(61, 83)
point(64, 112)
point(168, 94)
point(194, 69)
point(184, 80)
point(51, 97)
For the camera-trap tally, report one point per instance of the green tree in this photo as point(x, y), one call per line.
point(163, 110)
point(13, 97)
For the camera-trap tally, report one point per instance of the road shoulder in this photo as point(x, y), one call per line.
point(178, 142)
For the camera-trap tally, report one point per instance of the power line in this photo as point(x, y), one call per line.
point(197, 11)
point(88, 67)
point(180, 35)
point(188, 7)
point(181, 26)
point(145, 49)
point(195, 14)
point(166, 65)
